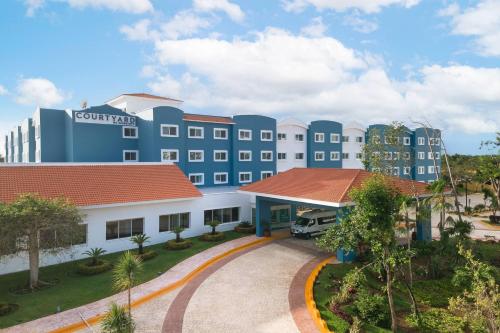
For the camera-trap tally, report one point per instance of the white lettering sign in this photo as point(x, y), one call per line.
point(103, 119)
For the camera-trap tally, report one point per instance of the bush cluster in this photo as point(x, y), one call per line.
point(218, 236)
point(371, 308)
point(148, 254)
point(88, 269)
point(174, 245)
point(245, 227)
point(437, 321)
point(6, 308)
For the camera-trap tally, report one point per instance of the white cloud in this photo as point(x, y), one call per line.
point(481, 22)
point(3, 90)
point(231, 9)
point(360, 24)
point(278, 73)
point(367, 6)
point(316, 28)
point(127, 6)
point(140, 31)
point(39, 92)
point(32, 6)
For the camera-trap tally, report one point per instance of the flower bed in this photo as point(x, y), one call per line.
point(218, 236)
point(174, 245)
point(88, 269)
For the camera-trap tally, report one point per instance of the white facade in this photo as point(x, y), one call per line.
point(96, 218)
point(291, 150)
point(134, 104)
point(352, 148)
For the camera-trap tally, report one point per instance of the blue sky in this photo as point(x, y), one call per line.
point(370, 61)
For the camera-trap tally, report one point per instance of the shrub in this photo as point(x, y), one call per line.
point(437, 321)
point(479, 208)
point(117, 320)
point(89, 269)
point(245, 227)
point(213, 224)
point(174, 245)
point(140, 239)
point(94, 254)
point(372, 309)
point(146, 255)
point(6, 308)
point(212, 237)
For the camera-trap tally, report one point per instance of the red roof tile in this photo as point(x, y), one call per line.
point(210, 119)
point(97, 184)
point(327, 185)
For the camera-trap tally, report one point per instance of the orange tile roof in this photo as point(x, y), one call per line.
point(152, 96)
point(97, 184)
point(210, 119)
point(324, 184)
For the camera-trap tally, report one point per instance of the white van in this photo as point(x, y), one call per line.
point(312, 223)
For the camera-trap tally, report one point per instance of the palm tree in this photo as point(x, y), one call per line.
point(94, 254)
point(438, 202)
point(116, 320)
point(214, 225)
point(125, 274)
point(178, 230)
point(140, 239)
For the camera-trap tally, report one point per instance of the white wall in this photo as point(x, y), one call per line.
point(353, 130)
point(290, 146)
point(96, 231)
point(133, 104)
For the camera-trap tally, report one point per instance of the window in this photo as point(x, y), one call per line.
point(388, 155)
point(170, 155)
point(169, 130)
point(220, 155)
point(197, 178)
point(406, 156)
point(431, 141)
point(437, 156)
point(196, 155)
point(406, 170)
point(129, 132)
point(245, 135)
point(334, 138)
point(345, 156)
point(327, 220)
point(299, 137)
point(281, 136)
point(437, 141)
point(395, 156)
point(223, 215)
point(421, 155)
point(430, 155)
point(172, 221)
point(220, 178)
point(130, 156)
point(245, 155)
point(430, 169)
point(220, 133)
point(281, 156)
point(266, 155)
point(319, 156)
point(359, 156)
point(299, 156)
point(359, 139)
point(319, 137)
point(406, 140)
point(376, 139)
point(82, 235)
point(334, 156)
point(345, 138)
point(265, 174)
point(124, 228)
point(421, 170)
point(266, 135)
point(195, 132)
point(395, 171)
point(245, 177)
point(421, 141)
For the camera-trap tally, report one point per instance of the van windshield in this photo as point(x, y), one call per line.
point(302, 221)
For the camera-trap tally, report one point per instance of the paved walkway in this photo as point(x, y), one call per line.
point(249, 292)
point(175, 274)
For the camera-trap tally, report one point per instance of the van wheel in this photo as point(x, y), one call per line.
point(308, 235)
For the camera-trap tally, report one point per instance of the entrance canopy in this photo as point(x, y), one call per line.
point(325, 187)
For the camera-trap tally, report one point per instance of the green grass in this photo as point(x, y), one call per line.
point(74, 290)
point(435, 293)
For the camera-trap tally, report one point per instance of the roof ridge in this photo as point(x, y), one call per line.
point(348, 187)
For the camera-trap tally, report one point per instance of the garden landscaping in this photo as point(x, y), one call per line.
point(74, 289)
point(432, 287)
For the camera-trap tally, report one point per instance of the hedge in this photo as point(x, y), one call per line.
point(148, 254)
point(87, 269)
point(183, 244)
point(209, 237)
point(6, 308)
point(245, 230)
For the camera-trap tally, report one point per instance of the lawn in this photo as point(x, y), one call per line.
point(429, 293)
point(74, 290)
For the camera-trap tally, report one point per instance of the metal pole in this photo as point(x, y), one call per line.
point(466, 200)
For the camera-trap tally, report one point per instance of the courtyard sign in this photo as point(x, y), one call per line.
point(103, 119)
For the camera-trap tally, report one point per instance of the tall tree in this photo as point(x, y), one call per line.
point(32, 224)
point(488, 171)
point(373, 222)
point(125, 275)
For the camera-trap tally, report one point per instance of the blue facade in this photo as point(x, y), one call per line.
point(324, 144)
